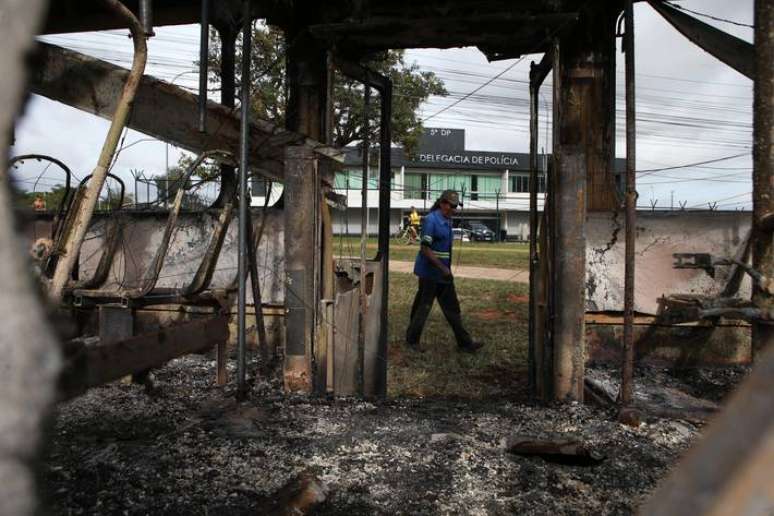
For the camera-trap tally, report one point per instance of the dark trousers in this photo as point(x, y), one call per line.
point(428, 291)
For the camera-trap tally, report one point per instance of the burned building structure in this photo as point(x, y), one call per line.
point(190, 273)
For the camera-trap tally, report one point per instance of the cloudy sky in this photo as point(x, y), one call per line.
point(691, 108)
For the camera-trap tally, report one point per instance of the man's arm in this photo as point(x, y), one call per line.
point(430, 255)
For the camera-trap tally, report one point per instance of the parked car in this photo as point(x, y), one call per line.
point(479, 232)
point(460, 234)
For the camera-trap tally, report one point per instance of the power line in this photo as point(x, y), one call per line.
point(711, 17)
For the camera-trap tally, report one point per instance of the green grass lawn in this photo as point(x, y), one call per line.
point(506, 255)
point(494, 312)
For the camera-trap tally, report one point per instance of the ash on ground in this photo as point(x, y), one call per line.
point(194, 450)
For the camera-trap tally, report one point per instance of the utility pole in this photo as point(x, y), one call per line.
point(497, 208)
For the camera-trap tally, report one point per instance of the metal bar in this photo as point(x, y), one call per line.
point(228, 37)
point(146, 17)
point(366, 146)
point(533, 223)
point(763, 165)
point(627, 369)
point(385, 188)
point(73, 241)
point(735, 52)
point(204, 56)
point(206, 270)
point(255, 283)
point(537, 74)
point(244, 141)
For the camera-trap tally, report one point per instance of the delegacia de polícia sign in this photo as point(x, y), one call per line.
point(502, 160)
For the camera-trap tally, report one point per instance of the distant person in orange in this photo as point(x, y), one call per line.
point(39, 204)
point(414, 221)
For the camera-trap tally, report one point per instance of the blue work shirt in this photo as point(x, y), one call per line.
point(437, 234)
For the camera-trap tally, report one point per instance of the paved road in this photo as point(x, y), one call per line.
point(467, 271)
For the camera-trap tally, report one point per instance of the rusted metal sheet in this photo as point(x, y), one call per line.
point(659, 236)
point(729, 470)
point(161, 110)
point(94, 365)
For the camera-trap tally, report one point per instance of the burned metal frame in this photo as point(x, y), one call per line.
point(57, 222)
point(73, 241)
point(383, 85)
point(151, 276)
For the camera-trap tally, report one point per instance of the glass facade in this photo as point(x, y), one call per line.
point(414, 186)
point(520, 183)
point(353, 180)
point(417, 185)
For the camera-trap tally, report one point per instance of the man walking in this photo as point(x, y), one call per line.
point(433, 269)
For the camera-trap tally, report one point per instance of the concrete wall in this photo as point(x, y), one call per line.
point(142, 237)
point(659, 235)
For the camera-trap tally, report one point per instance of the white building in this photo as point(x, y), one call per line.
point(494, 186)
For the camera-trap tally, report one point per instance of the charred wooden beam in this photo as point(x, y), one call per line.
point(161, 110)
point(66, 16)
point(729, 471)
point(517, 32)
point(555, 450)
point(735, 52)
point(94, 365)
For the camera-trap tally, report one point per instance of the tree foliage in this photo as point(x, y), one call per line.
point(411, 87)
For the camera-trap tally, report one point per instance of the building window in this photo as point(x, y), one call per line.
point(415, 185)
point(520, 183)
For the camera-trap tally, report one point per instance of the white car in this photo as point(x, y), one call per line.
point(463, 235)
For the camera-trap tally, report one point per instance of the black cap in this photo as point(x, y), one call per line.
point(451, 197)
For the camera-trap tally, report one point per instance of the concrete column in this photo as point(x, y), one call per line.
point(309, 277)
point(583, 145)
point(300, 270)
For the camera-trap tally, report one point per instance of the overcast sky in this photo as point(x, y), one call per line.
point(691, 108)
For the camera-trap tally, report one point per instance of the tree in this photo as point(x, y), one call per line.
point(168, 184)
point(411, 87)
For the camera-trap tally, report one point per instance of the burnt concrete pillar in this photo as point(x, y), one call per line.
point(308, 112)
point(300, 266)
point(584, 114)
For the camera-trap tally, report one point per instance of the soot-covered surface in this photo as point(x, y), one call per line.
point(193, 450)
